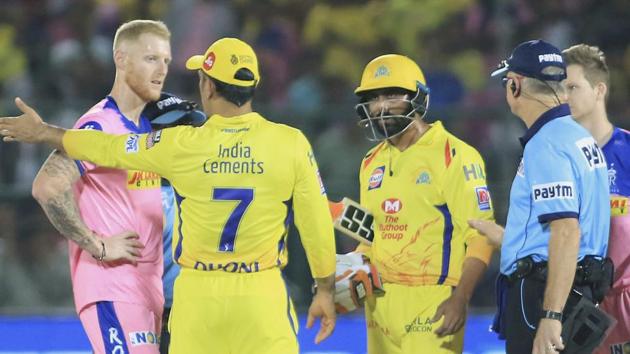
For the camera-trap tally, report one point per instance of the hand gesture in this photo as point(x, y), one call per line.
point(28, 127)
point(548, 339)
point(323, 307)
point(490, 229)
point(121, 247)
point(453, 310)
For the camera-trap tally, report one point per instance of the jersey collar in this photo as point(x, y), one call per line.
point(236, 120)
point(555, 112)
point(144, 124)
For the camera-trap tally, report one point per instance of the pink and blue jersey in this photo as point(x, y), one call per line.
point(617, 301)
point(112, 201)
point(617, 152)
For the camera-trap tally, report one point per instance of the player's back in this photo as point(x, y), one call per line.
point(234, 181)
point(112, 201)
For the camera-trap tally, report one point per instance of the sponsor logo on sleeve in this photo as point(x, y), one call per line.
point(376, 179)
point(391, 205)
point(592, 153)
point(521, 169)
point(131, 146)
point(321, 183)
point(473, 171)
point(554, 190)
point(91, 125)
point(153, 138)
point(143, 338)
point(483, 197)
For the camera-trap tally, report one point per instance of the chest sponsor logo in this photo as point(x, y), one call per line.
point(473, 171)
point(142, 180)
point(153, 138)
point(618, 205)
point(391, 205)
point(376, 179)
point(143, 338)
point(423, 178)
point(592, 153)
point(483, 197)
point(555, 190)
point(131, 145)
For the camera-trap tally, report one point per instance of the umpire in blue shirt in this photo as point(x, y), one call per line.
point(552, 256)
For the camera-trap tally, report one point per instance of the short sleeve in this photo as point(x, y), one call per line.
point(551, 178)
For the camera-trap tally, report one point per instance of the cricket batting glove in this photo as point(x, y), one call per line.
point(355, 279)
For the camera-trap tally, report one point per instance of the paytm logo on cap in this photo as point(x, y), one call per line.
point(550, 57)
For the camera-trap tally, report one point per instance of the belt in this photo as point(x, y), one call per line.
point(588, 271)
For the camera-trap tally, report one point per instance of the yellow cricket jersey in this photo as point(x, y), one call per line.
point(239, 182)
point(421, 199)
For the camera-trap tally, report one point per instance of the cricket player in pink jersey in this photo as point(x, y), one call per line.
point(116, 279)
point(587, 85)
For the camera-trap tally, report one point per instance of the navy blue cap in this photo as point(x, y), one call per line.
point(171, 110)
point(531, 58)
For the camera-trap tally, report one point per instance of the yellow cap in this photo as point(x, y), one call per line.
point(391, 70)
point(224, 58)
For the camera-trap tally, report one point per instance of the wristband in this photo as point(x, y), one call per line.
point(552, 315)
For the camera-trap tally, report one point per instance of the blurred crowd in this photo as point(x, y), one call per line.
point(56, 54)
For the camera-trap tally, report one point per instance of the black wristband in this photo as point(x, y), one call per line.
point(552, 315)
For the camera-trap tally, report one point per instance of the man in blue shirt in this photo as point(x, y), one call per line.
point(558, 214)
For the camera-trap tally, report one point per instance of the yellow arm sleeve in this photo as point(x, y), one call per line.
point(150, 152)
point(467, 196)
point(312, 216)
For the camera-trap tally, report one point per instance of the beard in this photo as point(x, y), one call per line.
point(142, 87)
point(390, 127)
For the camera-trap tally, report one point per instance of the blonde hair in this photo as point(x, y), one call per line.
point(130, 31)
point(593, 62)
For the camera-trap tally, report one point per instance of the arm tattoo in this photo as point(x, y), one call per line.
point(60, 206)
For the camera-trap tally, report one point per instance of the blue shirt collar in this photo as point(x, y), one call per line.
point(144, 123)
point(555, 112)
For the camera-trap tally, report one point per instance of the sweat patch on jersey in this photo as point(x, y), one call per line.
point(376, 179)
point(553, 190)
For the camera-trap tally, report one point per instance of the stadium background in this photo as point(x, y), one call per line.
point(57, 55)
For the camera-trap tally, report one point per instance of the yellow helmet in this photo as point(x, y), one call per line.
point(392, 70)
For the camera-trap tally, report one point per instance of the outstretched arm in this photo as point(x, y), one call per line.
point(52, 188)
point(30, 128)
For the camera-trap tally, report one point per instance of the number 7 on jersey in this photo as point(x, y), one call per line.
point(244, 197)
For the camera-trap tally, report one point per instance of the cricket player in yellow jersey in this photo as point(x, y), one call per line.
point(239, 182)
point(422, 184)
